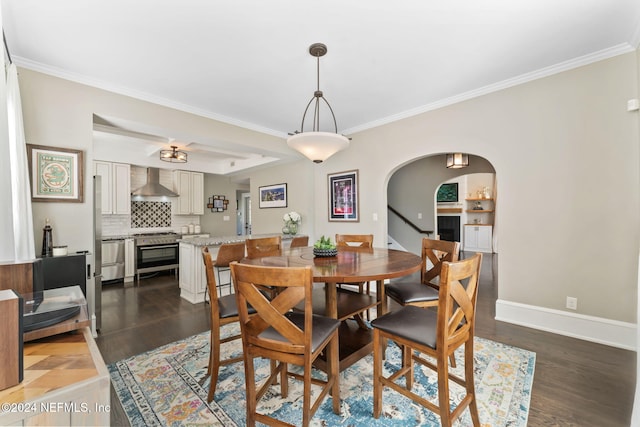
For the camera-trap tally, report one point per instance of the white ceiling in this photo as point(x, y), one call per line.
point(246, 62)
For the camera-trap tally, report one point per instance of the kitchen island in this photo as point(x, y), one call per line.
point(193, 280)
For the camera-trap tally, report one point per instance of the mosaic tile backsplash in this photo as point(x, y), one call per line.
point(150, 214)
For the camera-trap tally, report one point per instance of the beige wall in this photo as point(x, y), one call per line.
point(564, 144)
point(565, 151)
point(213, 222)
point(299, 179)
point(564, 148)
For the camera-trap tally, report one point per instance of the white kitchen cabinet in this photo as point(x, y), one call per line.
point(193, 278)
point(129, 260)
point(116, 187)
point(190, 188)
point(478, 238)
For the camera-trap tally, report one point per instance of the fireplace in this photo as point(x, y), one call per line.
point(449, 227)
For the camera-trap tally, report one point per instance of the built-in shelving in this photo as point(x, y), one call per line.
point(479, 227)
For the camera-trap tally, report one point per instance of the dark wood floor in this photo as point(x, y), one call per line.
point(576, 383)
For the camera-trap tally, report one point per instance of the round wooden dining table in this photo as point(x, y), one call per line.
point(350, 265)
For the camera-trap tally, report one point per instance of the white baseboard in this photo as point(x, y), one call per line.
point(596, 329)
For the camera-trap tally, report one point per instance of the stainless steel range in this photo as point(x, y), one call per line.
point(156, 252)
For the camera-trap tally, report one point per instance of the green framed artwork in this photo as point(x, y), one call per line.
point(56, 174)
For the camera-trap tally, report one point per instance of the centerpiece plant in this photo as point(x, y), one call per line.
point(324, 247)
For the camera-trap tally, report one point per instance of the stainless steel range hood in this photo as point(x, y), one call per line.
point(153, 186)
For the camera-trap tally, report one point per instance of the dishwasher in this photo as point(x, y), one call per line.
point(112, 260)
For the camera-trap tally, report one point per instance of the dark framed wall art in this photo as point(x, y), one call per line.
point(343, 196)
point(56, 174)
point(447, 192)
point(273, 196)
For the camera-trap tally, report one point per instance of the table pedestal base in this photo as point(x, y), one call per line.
point(355, 343)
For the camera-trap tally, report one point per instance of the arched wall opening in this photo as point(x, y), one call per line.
point(411, 191)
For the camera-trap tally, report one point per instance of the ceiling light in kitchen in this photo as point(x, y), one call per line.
point(174, 155)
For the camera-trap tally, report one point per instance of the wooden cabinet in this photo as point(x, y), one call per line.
point(190, 188)
point(116, 187)
point(478, 238)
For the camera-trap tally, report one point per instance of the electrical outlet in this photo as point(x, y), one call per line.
point(419, 215)
point(572, 303)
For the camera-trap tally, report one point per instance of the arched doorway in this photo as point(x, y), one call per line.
point(411, 191)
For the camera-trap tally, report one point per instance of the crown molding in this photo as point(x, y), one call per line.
point(143, 96)
point(524, 78)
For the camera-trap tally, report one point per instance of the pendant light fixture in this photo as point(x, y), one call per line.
point(174, 155)
point(315, 145)
point(457, 160)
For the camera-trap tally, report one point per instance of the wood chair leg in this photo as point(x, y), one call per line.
point(214, 362)
point(377, 372)
point(284, 380)
point(250, 387)
point(469, 382)
point(407, 362)
point(443, 392)
point(452, 360)
point(306, 397)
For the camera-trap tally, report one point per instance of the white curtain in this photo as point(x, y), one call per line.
point(21, 202)
point(16, 219)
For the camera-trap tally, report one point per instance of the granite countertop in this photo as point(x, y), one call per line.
point(219, 240)
point(116, 237)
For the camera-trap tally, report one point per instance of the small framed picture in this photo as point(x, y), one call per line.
point(217, 203)
point(56, 174)
point(273, 196)
point(343, 196)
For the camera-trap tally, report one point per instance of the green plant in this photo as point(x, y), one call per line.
point(324, 243)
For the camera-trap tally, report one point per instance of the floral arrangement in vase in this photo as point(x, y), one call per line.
point(291, 222)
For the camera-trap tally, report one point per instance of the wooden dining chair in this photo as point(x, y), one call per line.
point(264, 246)
point(436, 334)
point(300, 242)
point(424, 293)
point(227, 253)
point(278, 333)
point(223, 311)
point(356, 241)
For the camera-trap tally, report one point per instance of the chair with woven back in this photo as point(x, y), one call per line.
point(284, 336)
point(435, 333)
point(299, 242)
point(223, 311)
point(364, 241)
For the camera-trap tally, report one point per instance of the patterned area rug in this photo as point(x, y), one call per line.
point(168, 387)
